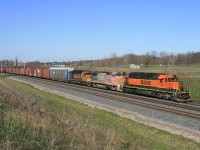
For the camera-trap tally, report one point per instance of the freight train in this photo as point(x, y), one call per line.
point(159, 85)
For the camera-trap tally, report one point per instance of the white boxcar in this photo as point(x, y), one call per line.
point(60, 74)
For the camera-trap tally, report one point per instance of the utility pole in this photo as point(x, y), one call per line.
point(1, 69)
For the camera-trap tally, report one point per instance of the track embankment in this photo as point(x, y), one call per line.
point(162, 118)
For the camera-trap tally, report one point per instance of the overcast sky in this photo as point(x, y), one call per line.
point(63, 30)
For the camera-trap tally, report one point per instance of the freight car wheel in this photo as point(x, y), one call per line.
point(88, 84)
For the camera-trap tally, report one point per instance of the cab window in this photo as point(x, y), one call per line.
point(118, 74)
point(171, 79)
point(123, 74)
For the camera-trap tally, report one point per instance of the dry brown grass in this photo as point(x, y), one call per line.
point(28, 123)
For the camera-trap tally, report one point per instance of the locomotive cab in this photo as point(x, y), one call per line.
point(86, 76)
point(119, 74)
point(170, 82)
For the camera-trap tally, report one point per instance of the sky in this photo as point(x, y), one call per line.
point(68, 30)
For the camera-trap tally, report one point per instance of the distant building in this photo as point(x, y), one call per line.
point(14, 62)
point(134, 66)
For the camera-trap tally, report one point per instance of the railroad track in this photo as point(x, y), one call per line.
point(195, 103)
point(190, 106)
point(125, 98)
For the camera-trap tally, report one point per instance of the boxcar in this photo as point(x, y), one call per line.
point(31, 71)
point(6, 70)
point(37, 72)
point(26, 71)
point(17, 70)
point(3, 70)
point(34, 72)
point(44, 73)
point(22, 71)
point(11, 70)
point(60, 74)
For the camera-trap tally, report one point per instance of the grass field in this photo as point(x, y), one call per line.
point(34, 119)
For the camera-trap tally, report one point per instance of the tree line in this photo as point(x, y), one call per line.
point(149, 58)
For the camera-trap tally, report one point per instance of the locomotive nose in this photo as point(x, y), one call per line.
point(180, 86)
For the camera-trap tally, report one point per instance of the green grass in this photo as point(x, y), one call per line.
point(34, 119)
point(155, 68)
point(193, 82)
point(193, 66)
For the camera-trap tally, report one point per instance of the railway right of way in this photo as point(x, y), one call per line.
point(183, 109)
point(175, 120)
point(194, 105)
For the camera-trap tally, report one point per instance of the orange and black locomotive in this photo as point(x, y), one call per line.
point(164, 86)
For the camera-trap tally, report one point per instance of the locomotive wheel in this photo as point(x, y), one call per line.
point(121, 90)
point(94, 85)
point(159, 95)
point(114, 88)
point(107, 87)
point(132, 91)
point(167, 97)
point(154, 94)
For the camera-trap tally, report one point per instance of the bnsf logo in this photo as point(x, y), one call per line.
point(145, 82)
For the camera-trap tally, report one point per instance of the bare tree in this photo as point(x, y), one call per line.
point(164, 57)
point(154, 55)
point(33, 64)
point(147, 59)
